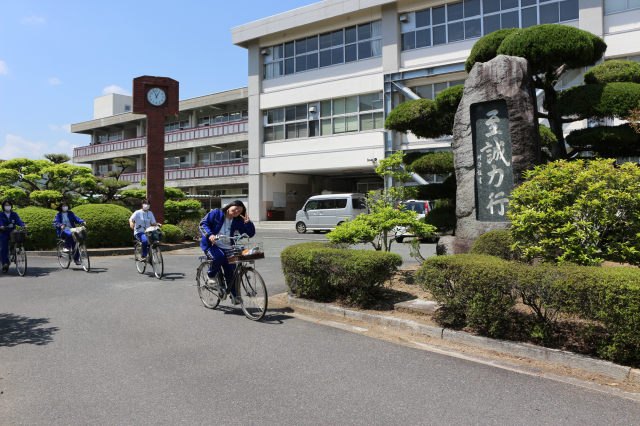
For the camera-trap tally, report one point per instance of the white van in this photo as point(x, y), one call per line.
point(325, 212)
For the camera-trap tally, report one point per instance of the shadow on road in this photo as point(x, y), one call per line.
point(32, 271)
point(273, 316)
point(172, 276)
point(17, 330)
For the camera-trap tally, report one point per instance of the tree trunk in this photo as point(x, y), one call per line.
point(555, 123)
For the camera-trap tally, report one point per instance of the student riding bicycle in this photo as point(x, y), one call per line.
point(226, 221)
point(8, 221)
point(64, 220)
point(139, 221)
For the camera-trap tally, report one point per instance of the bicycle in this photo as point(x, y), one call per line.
point(18, 255)
point(154, 255)
point(64, 257)
point(250, 286)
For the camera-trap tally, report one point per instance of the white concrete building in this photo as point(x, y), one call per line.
point(206, 145)
point(323, 77)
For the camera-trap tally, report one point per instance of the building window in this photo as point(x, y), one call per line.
point(357, 113)
point(349, 44)
point(612, 6)
point(127, 108)
point(430, 91)
point(177, 125)
point(471, 19)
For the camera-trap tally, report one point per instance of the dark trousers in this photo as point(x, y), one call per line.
point(145, 244)
point(69, 243)
point(4, 247)
point(219, 260)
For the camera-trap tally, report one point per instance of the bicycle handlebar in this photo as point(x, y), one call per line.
point(229, 239)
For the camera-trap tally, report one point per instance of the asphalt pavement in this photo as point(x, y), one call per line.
point(113, 347)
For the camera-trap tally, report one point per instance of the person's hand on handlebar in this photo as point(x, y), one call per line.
point(212, 238)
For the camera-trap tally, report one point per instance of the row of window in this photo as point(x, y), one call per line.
point(473, 18)
point(323, 118)
point(111, 137)
point(611, 6)
point(349, 44)
point(207, 121)
point(208, 159)
point(221, 192)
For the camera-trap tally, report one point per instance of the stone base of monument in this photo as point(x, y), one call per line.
point(453, 245)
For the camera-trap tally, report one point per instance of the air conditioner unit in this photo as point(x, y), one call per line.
point(404, 18)
point(265, 51)
point(313, 110)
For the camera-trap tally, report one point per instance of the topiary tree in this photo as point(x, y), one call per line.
point(109, 187)
point(108, 225)
point(612, 90)
point(172, 234)
point(494, 243)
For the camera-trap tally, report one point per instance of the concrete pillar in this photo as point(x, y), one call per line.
point(194, 157)
point(257, 211)
point(141, 163)
point(591, 16)
point(194, 190)
point(390, 38)
point(193, 118)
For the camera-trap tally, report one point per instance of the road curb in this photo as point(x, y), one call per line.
point(553, 356)
point(118, 251)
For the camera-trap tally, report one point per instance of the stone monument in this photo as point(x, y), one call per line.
point(495, 139)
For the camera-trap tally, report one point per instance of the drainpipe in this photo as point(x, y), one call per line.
point(410, 94)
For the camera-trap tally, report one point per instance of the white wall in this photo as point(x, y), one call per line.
point(322, 161)
point(112, 104)
point(336, 143)
point(624, 21)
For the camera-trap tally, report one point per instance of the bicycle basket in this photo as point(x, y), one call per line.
point(19, 236)
point(252, 248)
point(79, 234)
point(153, 234)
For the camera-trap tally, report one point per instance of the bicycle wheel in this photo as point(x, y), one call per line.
point(21, 261)
point(157, 263)
point(137, 253)
point(209, 295)
point(253, 293)
point(84, 257)
point(64, 259)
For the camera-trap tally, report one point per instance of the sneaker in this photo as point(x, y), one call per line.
point(65, 250)
point(5, 267)
point(143, 259)
point(78, 262)
point(236, 300)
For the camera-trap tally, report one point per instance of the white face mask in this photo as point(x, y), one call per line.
point(65, 208)
point(7, 208)
point(145, 207)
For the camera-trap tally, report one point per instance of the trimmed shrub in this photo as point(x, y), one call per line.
point(172, 234)
point(176, 211)
point(327, 272)
point(107, 225)
point(443, 216)
point(41, 232)
point(614, 71)
point(494, 243)
point(612, 141)
point(190, 228)
point(440, 163)
point(547, 138)
point(419, 117)
point(599, 100)
point(610, 296)
point(487, 47)
point(474, 291)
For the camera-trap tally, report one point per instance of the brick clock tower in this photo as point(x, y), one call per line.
point(156, 97)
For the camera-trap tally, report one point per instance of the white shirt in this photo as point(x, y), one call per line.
point(225, 230)
point(65, 221)
point(141, 220)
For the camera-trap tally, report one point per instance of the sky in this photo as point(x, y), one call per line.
point(56, 57)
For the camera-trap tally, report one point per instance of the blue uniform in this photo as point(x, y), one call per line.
point(211, 225)
point(9, 224)
point(65, 233)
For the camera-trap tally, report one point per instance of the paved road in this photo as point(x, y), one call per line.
point(116, 348)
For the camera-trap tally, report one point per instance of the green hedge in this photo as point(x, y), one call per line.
point(41, 232)
point(478, 291)
point(474, 291)
point(107, 225)
point(325, 272)
point(172, 234)
point(494, 243)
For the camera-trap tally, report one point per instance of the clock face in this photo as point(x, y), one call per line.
point(156, 96)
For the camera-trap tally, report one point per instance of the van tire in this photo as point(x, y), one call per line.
point(399, 239)
point(340, 223)
point(301, 227)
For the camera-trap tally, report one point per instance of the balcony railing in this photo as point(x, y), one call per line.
point(194, 172)
point(241, 126)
